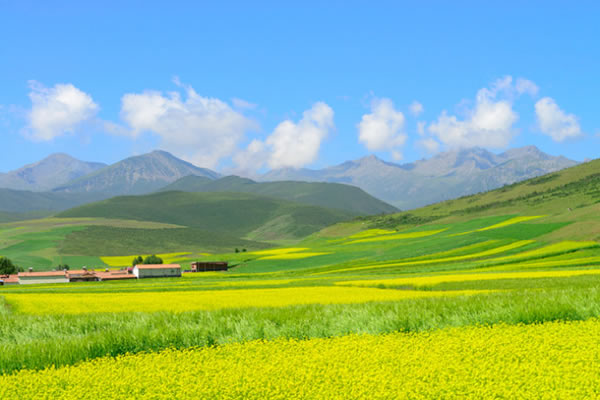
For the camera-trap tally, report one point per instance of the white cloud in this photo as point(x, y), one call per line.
point(416, 108)
point(526, 86)
point(431, 146)
point(291, 144)
point(397, 155)
point(243, 104)
point(296, 145)
point(421, 127)
point(382, 129)
point(58, 110)
point(199, 129)
point(488, 124)
point(554, 122)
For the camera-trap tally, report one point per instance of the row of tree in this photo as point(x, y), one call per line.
point(153, 259)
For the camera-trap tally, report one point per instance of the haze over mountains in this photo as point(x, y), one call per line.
point(62, 182)
point(55, 170)
point(445, 176)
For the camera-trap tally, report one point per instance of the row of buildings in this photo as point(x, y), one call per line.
point(84, 275)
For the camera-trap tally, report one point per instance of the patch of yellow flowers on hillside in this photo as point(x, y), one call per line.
point(553, 360)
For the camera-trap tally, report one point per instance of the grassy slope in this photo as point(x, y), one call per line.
point(232, 213)
point(571, 195)
point(328, 195)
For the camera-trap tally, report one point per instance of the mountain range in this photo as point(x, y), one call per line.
point(59, 181)
point(54, 170)
point(445, 176)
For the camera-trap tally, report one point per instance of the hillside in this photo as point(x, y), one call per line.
point(54, 170)
point(238, 214)
point(328, 195)
point(571, 195)
point(446, 176)
point(135, 175)
point(23, 201)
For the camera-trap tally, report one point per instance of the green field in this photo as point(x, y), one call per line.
point(507, 260)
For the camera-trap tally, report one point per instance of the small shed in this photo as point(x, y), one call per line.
point(157, 271)
point(10, 279)
point(28, 278)
point(203, 266)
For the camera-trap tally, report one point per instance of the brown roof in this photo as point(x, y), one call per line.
point(41, 274)
point(158, 266)
point(105, 276)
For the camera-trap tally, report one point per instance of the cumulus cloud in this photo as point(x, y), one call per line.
point(526, 86)
point(199, 129)
point(58, 110)
point(554, 122)
point(431, 146)
point(297, 144)
point(243, 104)
point(416, 108)
point(382, 129)
point(291, 144)
point(421, 127)
point(488, 124)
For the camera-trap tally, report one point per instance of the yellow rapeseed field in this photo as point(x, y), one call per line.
point(398, 236)
point(370, 233)
point(420, 281)
point(556, 248)
point(400, 263)
point(292, 256)
point(508, 222)
point(123, 261)
point(557, 360)
point(180, 301)
point(278, 251)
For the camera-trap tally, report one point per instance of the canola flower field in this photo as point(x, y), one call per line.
point(553, 360)
point(484, 308)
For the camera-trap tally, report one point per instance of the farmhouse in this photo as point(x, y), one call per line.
point(27, 278)
point(157, 270)
point(200, 266)
point(9, 280)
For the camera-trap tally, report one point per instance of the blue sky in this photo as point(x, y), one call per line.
point(247, 86)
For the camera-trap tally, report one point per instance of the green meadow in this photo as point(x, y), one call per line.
point(526, 253)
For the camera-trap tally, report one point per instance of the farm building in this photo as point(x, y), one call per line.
point(201, 266)
point(157, 270)
point(114, 275)
point(9, 280)
point(82, 275)
point(27, 278)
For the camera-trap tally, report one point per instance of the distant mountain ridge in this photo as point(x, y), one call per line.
point(136, 175)
point(445, 176)
point(329, 195)
point(55, 170)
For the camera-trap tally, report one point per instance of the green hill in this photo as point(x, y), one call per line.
point(571, 195)
point(24, 201)
point(329, 195)
point(238, 214)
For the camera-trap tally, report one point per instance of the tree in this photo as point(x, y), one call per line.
point(62, 267)
point(7, 267)
point(137, 260)
point(153, 259)
point(237, 250)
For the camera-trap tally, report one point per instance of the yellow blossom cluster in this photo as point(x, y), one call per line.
point(191, 300)
point(558, 360)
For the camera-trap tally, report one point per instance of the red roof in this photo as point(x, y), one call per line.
point(41, 274)
point(158, 266)
point(10, 279)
